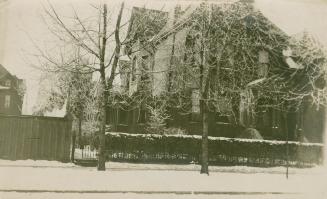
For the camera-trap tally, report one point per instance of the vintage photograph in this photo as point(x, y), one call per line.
point(184, 99)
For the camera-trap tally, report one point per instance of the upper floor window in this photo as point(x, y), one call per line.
point(8, 83)
point(133, 69)
point(7, 101)
point(124, 74)
point(263, 57)
point(195, 101)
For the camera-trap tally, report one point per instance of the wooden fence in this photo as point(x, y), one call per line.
point(35, 137)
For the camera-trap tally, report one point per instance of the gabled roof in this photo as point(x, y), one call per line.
point(146, 14)
point(3, 71)
point(170, 28)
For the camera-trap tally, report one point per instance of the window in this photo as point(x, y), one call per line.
point(145, 68)
point(7, 101)
point(142, 116)
point(195, 101)
point(124, 74)
point(8, 83)
point(127, 82)
point(195, 115)
point(263, 57)
point(224, 105)
point(122, 116)
point(134, 69)
point(222, 118)
point(263, 70)
point(246, 107)
point(223, 110)
point(263, 63)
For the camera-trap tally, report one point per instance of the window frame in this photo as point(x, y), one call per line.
point(8, 83)
point(7, 101)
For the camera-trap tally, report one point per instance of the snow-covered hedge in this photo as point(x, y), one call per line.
point(222, 150)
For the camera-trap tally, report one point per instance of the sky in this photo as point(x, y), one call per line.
point(21, 23)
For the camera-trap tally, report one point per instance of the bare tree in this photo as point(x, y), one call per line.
point(69, 90)
point(92, 37)
point(231, 49)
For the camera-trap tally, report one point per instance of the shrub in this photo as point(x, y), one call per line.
point(250, 133)
point(157, 120)
point(174, 131)
point(187, 148)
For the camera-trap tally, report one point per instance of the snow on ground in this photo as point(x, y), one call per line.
point(34, 163)
point(72, 179)
point(50, 179)
point(196, 167)
point(173, 167)
point(15, 195)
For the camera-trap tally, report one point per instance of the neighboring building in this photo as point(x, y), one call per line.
point(11, 93)
point(170, 43)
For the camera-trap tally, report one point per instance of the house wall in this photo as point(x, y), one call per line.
point(161, 65)
point(134, 70)
point(169, 51)
point(272, 124)
point(313, 123)
point(16, 102)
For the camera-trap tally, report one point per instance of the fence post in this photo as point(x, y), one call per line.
point(287, 149)
point(69, 121)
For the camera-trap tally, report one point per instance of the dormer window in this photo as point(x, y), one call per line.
point(8, 83)
point(263, 57)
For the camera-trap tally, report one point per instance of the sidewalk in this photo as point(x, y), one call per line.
point(118, 166)
point(78, 180)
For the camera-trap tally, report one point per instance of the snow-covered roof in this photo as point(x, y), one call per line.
point(124, 58)
point(287, 53)
point(255, 82)
point(292, 64)
point(3, 71)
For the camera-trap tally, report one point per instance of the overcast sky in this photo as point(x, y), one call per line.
point(20, 22)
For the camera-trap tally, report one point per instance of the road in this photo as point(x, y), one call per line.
point(28, 195)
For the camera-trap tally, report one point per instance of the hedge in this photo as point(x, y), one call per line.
point(222, 151)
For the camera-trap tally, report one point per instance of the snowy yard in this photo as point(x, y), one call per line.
point(72, 179)
point(37, 179)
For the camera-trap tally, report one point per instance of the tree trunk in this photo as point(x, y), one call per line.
point(205, 147)
point(72, 155)
point(287, 149)
point(68, 116)
point(79, 135)
point(107, 84)
point(103, 96)
point(103, 118)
